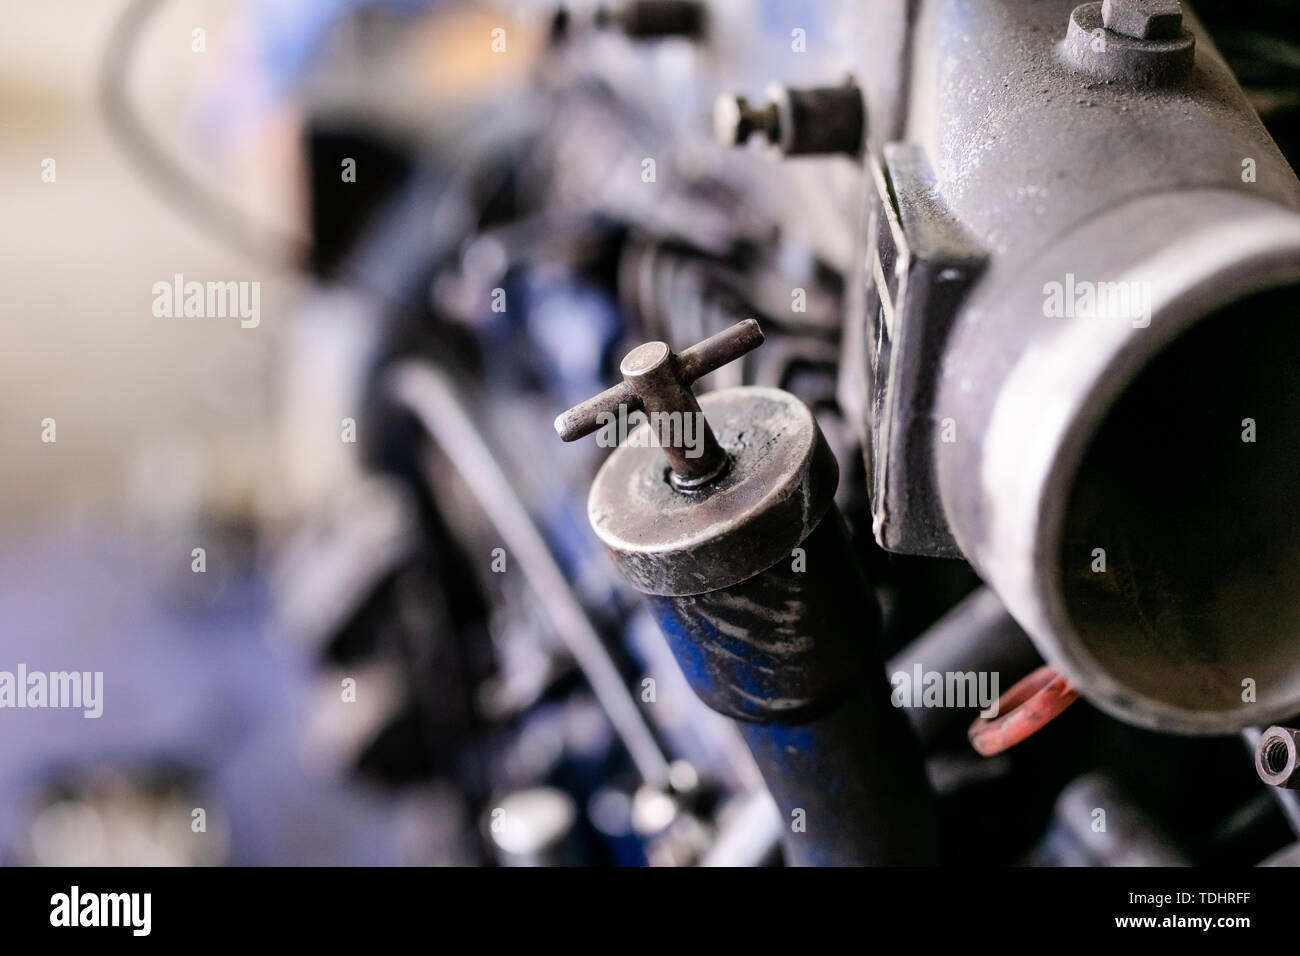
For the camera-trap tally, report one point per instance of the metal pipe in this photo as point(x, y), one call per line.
point(789, 654)
point(753, 581)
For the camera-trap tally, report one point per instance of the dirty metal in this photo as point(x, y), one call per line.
point(780, 483)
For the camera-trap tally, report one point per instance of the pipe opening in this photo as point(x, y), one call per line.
point(1180, 557)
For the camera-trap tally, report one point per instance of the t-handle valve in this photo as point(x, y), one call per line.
point(658, 381)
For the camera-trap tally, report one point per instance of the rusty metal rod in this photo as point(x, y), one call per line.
point(692, 364)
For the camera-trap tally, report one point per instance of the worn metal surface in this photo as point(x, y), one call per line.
point(849, 783)
point(755, 585)
point(783, 644)
point(1058, 174)
point(1158, 50)
point(693, 363)
point(652, 371)
point(781, 481)
point(1144, 19)
point(817, 121)
point(792, 653)
point(923, 262)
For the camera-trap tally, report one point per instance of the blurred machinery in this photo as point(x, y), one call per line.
point(914, 472)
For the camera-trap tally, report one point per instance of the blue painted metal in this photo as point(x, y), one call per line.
point(792, 654)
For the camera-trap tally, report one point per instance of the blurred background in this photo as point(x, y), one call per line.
point(341, 675)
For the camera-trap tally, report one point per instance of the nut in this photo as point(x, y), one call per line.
point(1144, 19)
point(1277, 757)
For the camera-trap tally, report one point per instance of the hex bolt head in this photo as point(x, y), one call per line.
point(1144, 19)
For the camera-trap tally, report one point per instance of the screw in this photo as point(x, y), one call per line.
point(735, 120)
point(1277, 757)
point(819, 120)
point(1144, 19)
point(658, 380)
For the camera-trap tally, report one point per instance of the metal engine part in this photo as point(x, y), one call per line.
point(1081, 269)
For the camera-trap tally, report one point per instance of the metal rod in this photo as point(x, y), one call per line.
point(692, 364)
point(425, 391)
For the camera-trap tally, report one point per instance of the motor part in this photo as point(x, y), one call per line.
point(753, 582)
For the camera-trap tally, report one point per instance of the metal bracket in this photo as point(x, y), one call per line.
point(921, 265)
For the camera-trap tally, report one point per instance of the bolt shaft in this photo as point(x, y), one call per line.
point(654, 373)
point(658, 382)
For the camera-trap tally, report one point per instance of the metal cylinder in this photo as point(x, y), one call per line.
point(754, 584)
point(1131, 328)
point(817, 121)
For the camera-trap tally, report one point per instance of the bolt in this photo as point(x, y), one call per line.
point(735, 120)
point(819, 120)
point(1144, 19)
point(658, 380)
point(1277, 757)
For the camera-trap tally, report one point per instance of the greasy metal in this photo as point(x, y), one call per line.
point(651, 370)
point(816, 121)
point(852, 778)
point(780, 483)
point(753, 581)
point(775, 647)
point(1277, 757)
point(1029, 706)
point(1058, 174)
